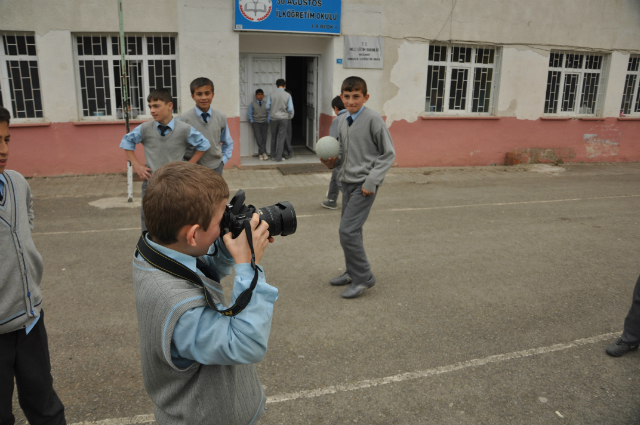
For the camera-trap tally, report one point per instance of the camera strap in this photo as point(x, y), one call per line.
point(172, 267)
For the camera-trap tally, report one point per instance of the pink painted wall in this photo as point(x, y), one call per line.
point(80, 148)
point(68, 148)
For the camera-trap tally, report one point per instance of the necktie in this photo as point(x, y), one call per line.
point(350, 121)
point(260, 102)
point(163, 129)
point(205, 117)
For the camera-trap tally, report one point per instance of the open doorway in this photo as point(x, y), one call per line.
point(301, 83)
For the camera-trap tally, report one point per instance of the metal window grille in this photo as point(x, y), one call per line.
point(151, 64)
point(575, 83)
point(631, 95)
point(19, 76)
point(462, 79)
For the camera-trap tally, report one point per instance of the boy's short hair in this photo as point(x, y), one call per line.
point(337, 103)
point(354, 84)
point(5, 116)
point(200, 82)
point(179, 194)
point(259, 91)
point(280, 82)
point(163, 95)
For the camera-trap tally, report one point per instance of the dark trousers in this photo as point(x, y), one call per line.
point(631, 331)
point(355, 210)
point(288, 149)
point(144, 189)
point(278, 138)
point(260, 130)
point(334, 185)
point(26, 357)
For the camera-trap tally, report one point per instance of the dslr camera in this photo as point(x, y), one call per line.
point(280, 217)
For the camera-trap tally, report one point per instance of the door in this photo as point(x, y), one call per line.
point(312, 103)
point(256, 72)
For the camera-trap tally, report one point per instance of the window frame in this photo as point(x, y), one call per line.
point(112, 60)
point(471, 66)
point(635, 98)
point(5, 86)
point(598, 105)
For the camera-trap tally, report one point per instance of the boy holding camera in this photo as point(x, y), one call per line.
point(198, 364)
point(366, 154)
point(24, 350)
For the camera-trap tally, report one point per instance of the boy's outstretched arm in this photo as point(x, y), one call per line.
point(129, 142)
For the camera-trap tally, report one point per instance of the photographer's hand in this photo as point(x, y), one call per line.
point(239, 247)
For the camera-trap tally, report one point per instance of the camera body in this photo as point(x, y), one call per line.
point(281, 217)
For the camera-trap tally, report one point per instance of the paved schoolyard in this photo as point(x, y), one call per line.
point(498, 289)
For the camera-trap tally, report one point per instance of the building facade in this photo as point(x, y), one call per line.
point(461, 83)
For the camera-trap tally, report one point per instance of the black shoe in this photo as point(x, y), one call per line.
point(343, 279)
point(354, 290)
point(621, 347)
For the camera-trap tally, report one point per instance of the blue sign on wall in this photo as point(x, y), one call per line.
point(305, 16)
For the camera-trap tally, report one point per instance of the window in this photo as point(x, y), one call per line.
point(151, 64)
point(462, 79)
point(631, 95)
point(575, 83)
point(19, 78)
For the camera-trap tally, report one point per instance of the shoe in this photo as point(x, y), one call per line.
point(260, 157)
point(355, 289)
point(343, 279)
point(330, 204)
point(620, 347)
point(264, 156)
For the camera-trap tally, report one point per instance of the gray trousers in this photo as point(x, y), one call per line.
point(355, 210)
point(278, 138)
point(631, 331)
point(144, 189)
point(288, 149)
point(260, 130)
point(334, 185)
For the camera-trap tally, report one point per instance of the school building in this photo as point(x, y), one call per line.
point(459, 82)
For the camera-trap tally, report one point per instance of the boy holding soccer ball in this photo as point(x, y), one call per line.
point(366, 154)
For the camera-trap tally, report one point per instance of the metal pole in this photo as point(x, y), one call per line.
point(125, 98)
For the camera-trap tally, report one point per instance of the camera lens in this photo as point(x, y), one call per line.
point(281, 218)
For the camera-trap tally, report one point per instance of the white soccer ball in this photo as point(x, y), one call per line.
point(327, 147)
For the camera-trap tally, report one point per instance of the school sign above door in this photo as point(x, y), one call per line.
point(301, 16)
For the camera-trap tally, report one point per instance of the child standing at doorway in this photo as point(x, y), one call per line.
point(211, 123)
point(366, 154)
point(334, 185)
point(259, 118)
point(280, 106)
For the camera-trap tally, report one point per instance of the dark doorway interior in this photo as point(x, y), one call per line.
point(296, 72)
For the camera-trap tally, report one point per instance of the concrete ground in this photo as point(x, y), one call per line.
point(498, 290)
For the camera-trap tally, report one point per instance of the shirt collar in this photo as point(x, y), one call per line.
point(199, 112)
point(343, 111)
point(3, 183)
point(184, 259)
point(171, 124)
point(357, 114)
point(280, 88)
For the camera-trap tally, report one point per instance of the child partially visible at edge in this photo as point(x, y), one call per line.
point(211, 123)
point(366, 154)
point(164, 139)
point(197, 364)
point(24, 350)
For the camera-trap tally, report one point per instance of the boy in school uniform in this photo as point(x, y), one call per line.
point(198, 365)
point(259, 118)
point(334, 185)
point(24, 350)
point(165, 139)
point(211, 123)
point(366, 154)
point(280, 106)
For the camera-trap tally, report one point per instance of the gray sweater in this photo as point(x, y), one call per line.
point(211, 130)
point(159, 150)
point(279, 103)
point(198, 394)
point(366, 150)
point(20, 299)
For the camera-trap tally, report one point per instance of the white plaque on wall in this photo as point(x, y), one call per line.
point(363, 52)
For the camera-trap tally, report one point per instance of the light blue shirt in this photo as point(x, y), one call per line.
point(208, 337)
point(289, 104)
point(225, 137)
point(250, 111)
point(196, 139)
point(356, 115)
point(3, 183)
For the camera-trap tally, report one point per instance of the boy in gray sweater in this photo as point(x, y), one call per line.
point(24, 351)
point(366, 154)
